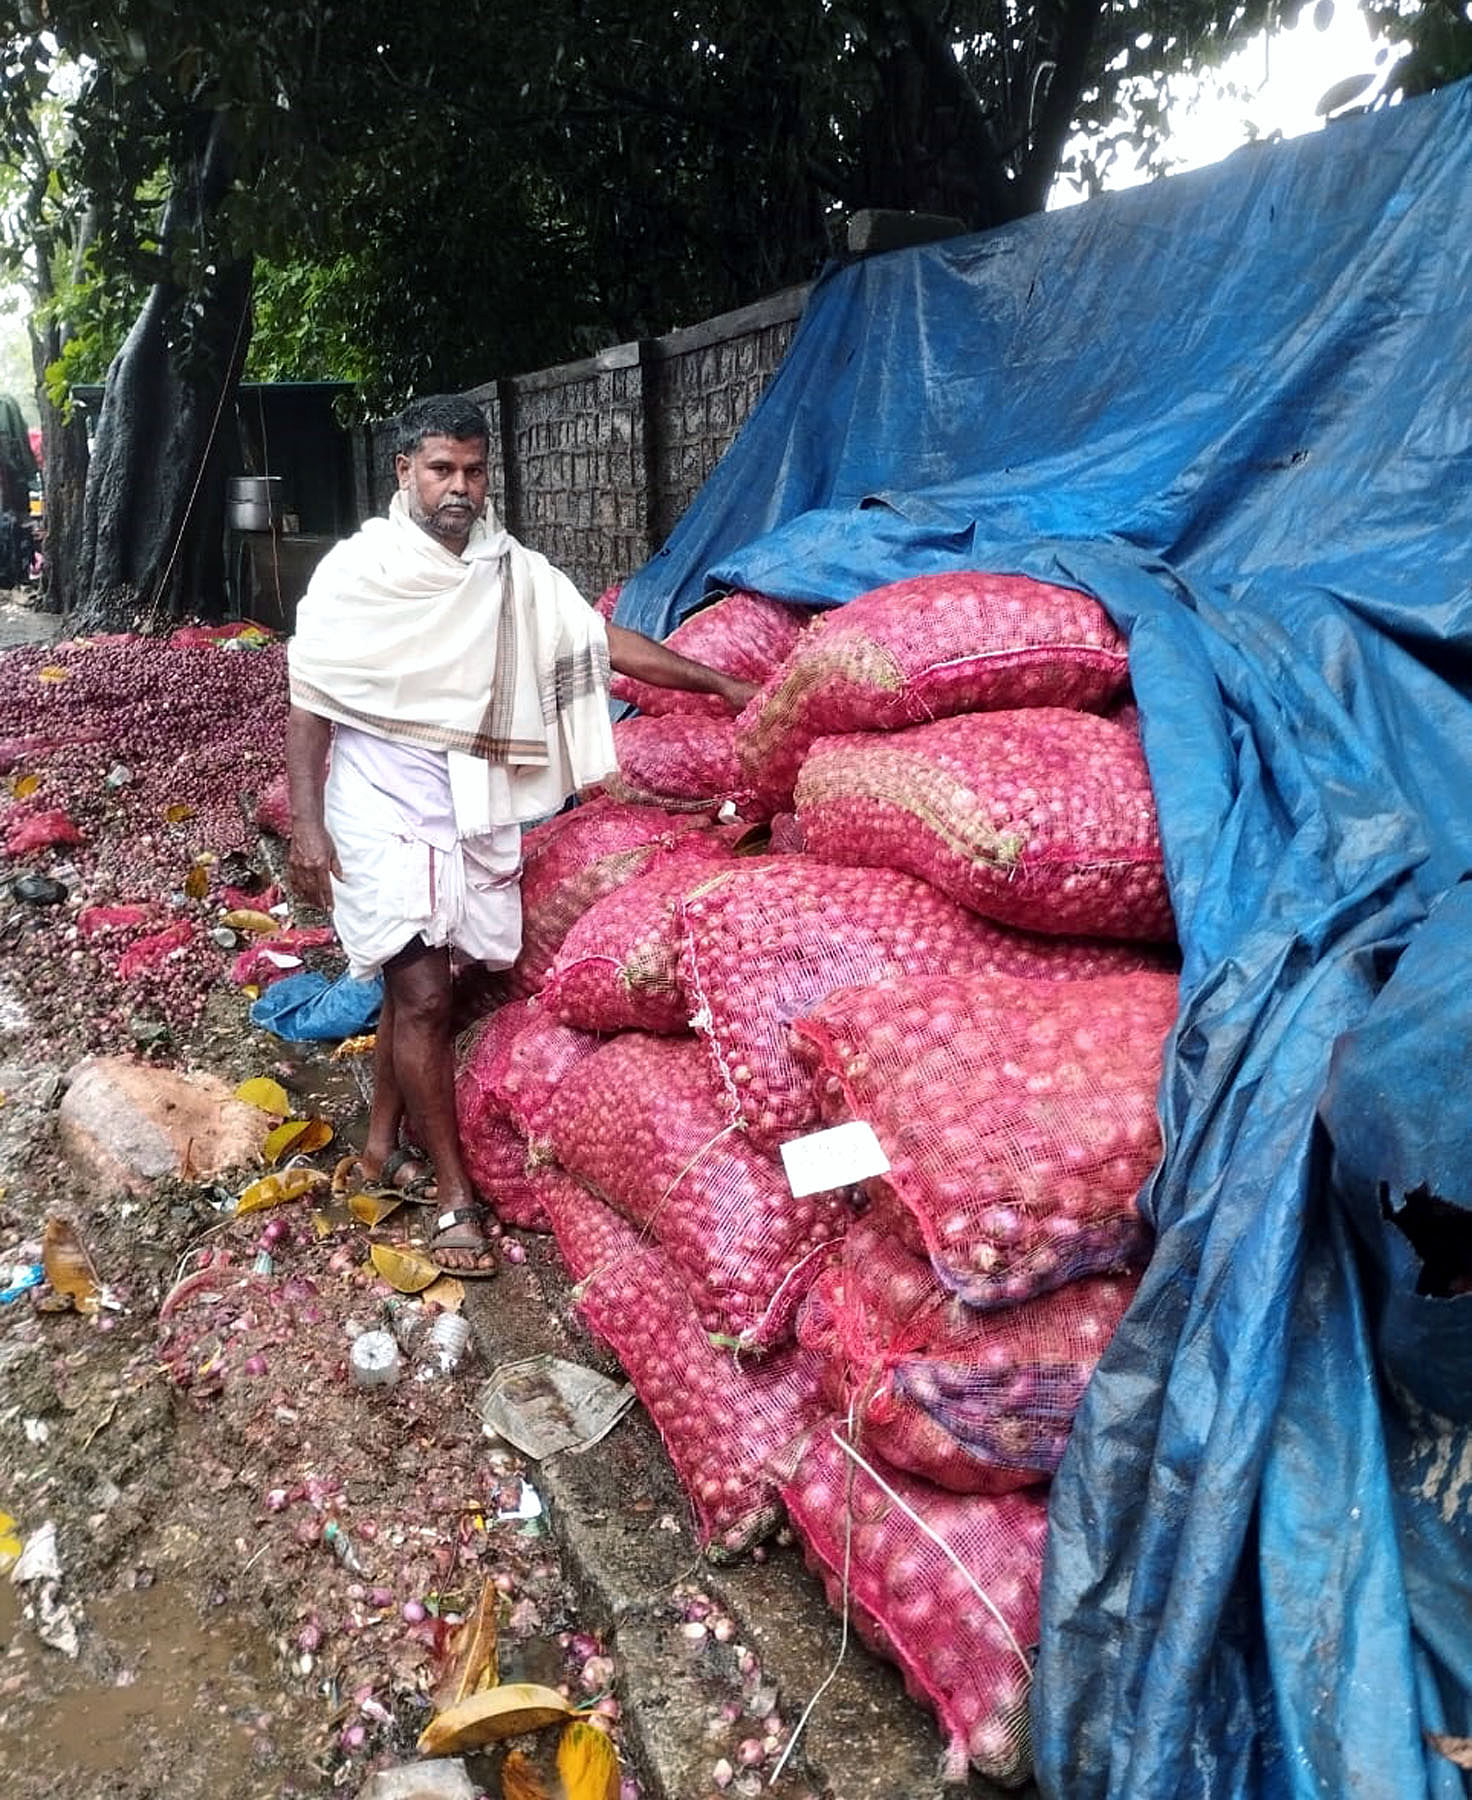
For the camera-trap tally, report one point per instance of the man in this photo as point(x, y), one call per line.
point(461, 683)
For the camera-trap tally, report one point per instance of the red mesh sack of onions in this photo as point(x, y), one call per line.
point(721, 1419)
point(495, 1155)
point(745, 635)
point(608, 599)
point(763, 942)
point(495, 1152)
point(642, 1123)
point(1042, 819)
point(540, 1056)
point(683, 761)
point(926, 648)
point(980, 1403)
point(573, 860)
point(273, 808)
point(27, 830)
point(619, 965)
point(1018, 1117)
point(945, 1585)
point(589, 1235)
point(485, 1054)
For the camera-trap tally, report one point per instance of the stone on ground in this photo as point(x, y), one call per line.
point(127, 1124)
point(442, 1779)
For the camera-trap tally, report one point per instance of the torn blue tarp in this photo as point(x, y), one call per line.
point(1234, 406)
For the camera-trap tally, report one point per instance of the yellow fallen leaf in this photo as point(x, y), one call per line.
point(323, 1225)
point(446, 1293)
point(53, 672)
point(473, 1654)
point(410, 1271)
point(267, 1095)
point(197, 882)
point(275, 1190)
point(68, 1266)
point(521, 1779)
point(373, 1209)
point(251, 991)
point(24, 786)
point(178, 812)
point(296, 1137)
point(246, 918)
point(587, 1763)
point(501, 1712)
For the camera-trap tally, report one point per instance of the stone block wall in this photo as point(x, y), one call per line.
point(595, 461)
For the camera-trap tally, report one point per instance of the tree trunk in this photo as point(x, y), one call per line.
point(63, 480)
point(154, 515)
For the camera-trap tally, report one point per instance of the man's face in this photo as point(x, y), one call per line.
point(444, 484)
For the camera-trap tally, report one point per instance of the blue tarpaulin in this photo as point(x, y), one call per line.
point(1236, 407)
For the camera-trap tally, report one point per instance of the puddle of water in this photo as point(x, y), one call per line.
point(187, 1683)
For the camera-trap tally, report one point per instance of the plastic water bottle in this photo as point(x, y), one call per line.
point(445, 1345)
point(374, 1360)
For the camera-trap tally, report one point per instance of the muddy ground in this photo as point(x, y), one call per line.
point(189, 1466)
point(205, 1636)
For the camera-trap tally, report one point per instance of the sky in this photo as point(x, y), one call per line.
point(1271, 85)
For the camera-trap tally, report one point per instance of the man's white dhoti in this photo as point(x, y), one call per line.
point(402, 879)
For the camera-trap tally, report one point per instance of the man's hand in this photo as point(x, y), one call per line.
point(737, 693)
point(642, 659)
point(311, 861)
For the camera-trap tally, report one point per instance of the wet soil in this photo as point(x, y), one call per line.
point(191, 1463)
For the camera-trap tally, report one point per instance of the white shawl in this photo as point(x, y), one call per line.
point(492, 656)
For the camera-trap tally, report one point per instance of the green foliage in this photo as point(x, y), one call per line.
point(432, 199)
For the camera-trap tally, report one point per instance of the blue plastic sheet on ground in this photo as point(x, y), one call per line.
point(312, 1006)
point(1235, 407)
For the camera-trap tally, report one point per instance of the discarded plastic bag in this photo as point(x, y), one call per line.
point(310, 1006)
point(544, 1405)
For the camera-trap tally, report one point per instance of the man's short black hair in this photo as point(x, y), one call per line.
point(439, 415)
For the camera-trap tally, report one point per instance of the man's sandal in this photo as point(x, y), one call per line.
point(419, 1187)
point(483, 1258)
point(349, 1177)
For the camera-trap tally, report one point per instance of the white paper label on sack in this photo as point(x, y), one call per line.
point(834, 1158)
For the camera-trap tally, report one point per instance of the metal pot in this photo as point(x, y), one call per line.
point(254, 502)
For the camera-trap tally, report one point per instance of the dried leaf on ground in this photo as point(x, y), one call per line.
point(197, 882)
point(178, 813)
point(275, 1190)
point(501, 1712)
point(473, 1667)
point(265, 1095)
point(521, 1779)
point(587, 1763)
point(69, 1267)
point(297, 1137)
point(410, 1271)
point(446, 1293)
point(362, 1045)
point(373, 1209)
point(245, 918)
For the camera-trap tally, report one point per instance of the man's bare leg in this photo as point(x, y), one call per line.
point(417, 998)
point(386, 1112)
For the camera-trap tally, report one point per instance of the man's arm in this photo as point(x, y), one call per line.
point(312, 857)
point(642, 659)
